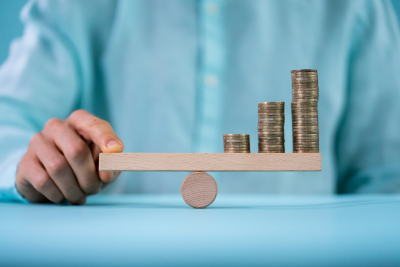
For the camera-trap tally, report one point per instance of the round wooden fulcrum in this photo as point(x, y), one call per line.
point(199, 190)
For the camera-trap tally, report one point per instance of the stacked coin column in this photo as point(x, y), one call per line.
point(305, 111)
point(236, 143)
point(271, 121)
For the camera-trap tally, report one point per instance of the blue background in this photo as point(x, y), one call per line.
point(11, 27)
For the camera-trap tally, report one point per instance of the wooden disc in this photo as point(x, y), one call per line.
point(199, 190)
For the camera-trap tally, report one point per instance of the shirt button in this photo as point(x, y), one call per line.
point(212, 8)
point(210, 80)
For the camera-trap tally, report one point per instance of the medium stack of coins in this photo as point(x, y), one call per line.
point(236, 143)
point(305, 111)
point(271, 121)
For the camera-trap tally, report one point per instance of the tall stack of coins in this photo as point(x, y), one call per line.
point(271, 120)
point(305, 111)
point(236, 143)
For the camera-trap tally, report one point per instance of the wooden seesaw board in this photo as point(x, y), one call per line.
point(215, 162)
point(199, 189)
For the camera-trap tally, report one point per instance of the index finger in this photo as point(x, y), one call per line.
point(97, 130)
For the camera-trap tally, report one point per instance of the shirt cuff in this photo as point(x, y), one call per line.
point(381, 179)
point(8, 190)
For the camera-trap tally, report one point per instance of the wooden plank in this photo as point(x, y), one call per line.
point(210, 162)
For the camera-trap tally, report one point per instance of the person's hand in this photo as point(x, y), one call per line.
point(62, 161)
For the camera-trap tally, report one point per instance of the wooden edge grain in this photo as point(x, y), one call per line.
point(217, 162)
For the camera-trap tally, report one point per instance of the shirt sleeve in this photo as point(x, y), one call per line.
point(38, 81)
point(368, 139)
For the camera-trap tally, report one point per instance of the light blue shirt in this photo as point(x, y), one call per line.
point(174, 76)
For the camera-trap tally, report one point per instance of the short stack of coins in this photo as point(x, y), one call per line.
point(305, 111)
point(236, 143)
point(271, 121)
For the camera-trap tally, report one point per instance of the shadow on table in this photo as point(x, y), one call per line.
point(138, 205)
point(342, 204)
point(311, 206)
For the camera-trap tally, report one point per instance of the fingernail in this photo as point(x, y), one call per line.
point(113, 144)
point(113, 177)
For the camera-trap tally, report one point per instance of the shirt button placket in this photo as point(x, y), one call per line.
point(208, 136)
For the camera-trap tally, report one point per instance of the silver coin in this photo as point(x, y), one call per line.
point(305, 110)
point(308, 147)
point(272, 107)
point(304, 76)
point(271, 104)
point(262, 134)
point(305, 148)
point(305, 86)
point(271, 143)
point(269, 134)
point(306, 136)
point(308, 82)
point(267, 124)
point(309, 107)
point(304, 70)
point(298, 121)
point(311, 74)
point(236, 145)
point(304, 104)
point(296, 98)
point(237, 150)
point(305, 127)
point(302, 99)
point(277, 107)
point(272, 123)
point(275, 114)
point(270, 116)
point(305, 124)
point(271, 119)
point(265, 117)
point(306, 130)
point(234, 141)
point(274, 110)
point(295, 132)
point(305, 92)
point(275, 138)
point(305, 116)
point(304, 141)
point(260, 126)
point(299, 135)
point(308, 151)
point(238, 139)
point(305, 95)
point(271, 146)
point(236, 135)
point(299, 114)
point(304, 79)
